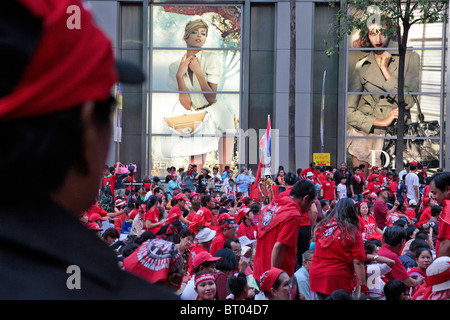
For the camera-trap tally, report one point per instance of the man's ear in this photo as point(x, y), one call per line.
point(447, 192)
point(96, 139)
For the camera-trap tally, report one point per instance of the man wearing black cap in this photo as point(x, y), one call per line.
point(55, 129)
point(380, 208)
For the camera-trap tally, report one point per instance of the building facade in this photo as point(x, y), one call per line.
point(244, 57)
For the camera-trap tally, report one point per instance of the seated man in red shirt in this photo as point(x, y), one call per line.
point(228, 230)
point(394, 240)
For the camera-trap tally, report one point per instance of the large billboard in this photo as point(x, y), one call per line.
point(195, 85)
point(372, 95)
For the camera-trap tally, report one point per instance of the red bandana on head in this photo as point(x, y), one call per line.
point(68, 67)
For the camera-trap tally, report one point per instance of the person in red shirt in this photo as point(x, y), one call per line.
point(374, 184)
point(393, 187)
point(440, 190)
point(373, 172)
point(278, 228)
point(410, 212)
point(394, 240)
point(151, 217)
point(339, 252)
point(205, 210)
point(369, 229)
point(247, 227)
point(328, 187)
point(427, 203)
point(95, 209)
point(228, 230)
point(312, 168)
point(178, 202)
point(203, 241)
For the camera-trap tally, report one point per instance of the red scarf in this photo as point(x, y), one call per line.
point(280, 209)
point(329, 232)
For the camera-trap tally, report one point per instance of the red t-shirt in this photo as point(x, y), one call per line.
point(328, 189)
point(410, 213)
point(285, 192)
point(368, 228)
point(195, 249)
point(118, 221)
point(217, 243)
point(424, 217)
point(284, 230)
point(444, 225)
point(398, 272)
point(332, 264)
point(95, 209)
point(153, 217)
point(206, 214)
point(173, 215)
point(305, 171)
point(372, 187)
point(391, 218)
point(248, 231)
point(392, 188)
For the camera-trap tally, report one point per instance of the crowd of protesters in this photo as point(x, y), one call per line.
point(367, 237)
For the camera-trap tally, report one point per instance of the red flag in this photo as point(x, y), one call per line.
point(254, 187)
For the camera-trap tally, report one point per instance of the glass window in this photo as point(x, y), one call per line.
point(372, 96)
point(195, 84)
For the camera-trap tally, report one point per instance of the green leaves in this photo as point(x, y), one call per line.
point(359, 14)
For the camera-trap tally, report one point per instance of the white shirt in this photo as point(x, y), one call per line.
point(411, 180)
point(374, 282)
point(342, 189)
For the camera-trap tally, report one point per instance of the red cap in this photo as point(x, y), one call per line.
point(180, 196)
point(93, 226)
point(96, 216)
point(242, 213)
point(413, 163)
point(67, 67)
point(203, 257)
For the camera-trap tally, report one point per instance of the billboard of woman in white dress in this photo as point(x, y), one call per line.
point(195, 100)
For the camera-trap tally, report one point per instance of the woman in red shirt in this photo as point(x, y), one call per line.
point(427, 203)
point(328, 187)
point(247, 227)
point(369, 228)
point(151, 217)
point(339, 252)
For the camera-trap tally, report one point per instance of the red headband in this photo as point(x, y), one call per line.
point(68, 67)
point(438, 278)
point(268, 278)
point(203, 277)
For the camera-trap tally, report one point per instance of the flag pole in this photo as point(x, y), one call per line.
point(322, 114)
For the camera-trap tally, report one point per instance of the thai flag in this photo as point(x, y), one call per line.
point(265, 145)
